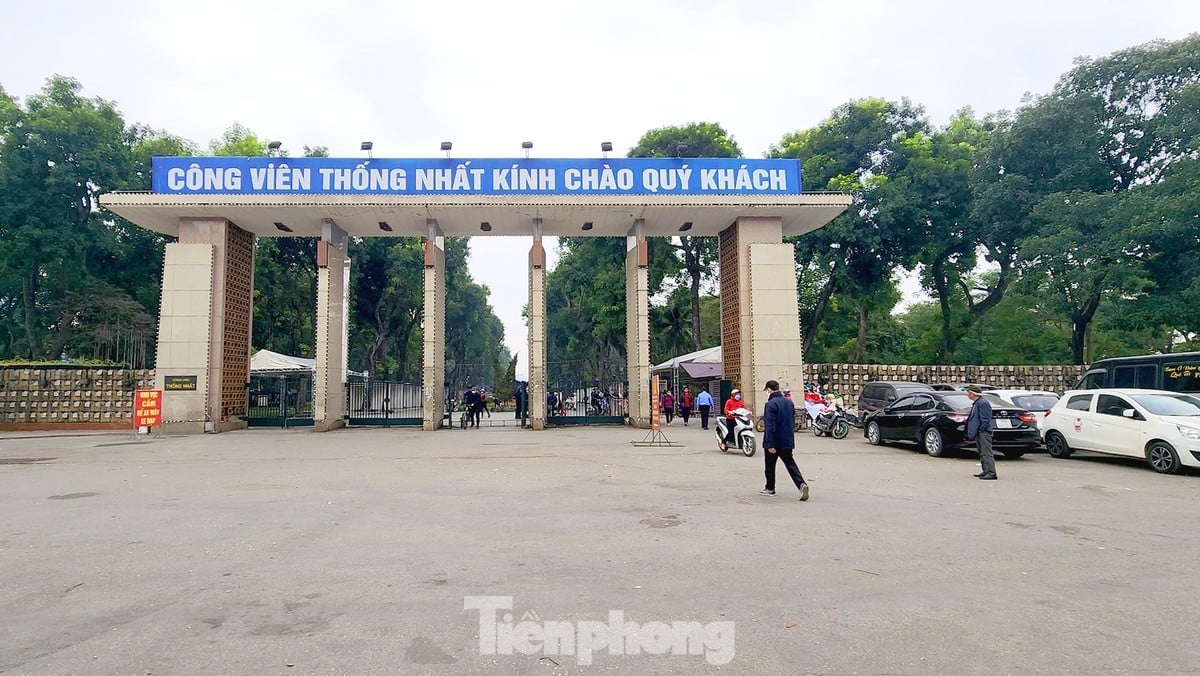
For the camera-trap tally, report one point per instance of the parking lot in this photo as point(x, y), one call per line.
point(270, 551)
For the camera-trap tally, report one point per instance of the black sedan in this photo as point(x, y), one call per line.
point(937, 421)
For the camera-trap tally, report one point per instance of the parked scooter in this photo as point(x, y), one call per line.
point(743, 431)
point(832, 421)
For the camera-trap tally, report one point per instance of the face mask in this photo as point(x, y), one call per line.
point(737, 397)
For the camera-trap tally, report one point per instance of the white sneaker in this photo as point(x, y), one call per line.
point(767, 493)
point(803, 492)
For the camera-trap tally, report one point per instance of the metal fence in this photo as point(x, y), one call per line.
point(280, 400)
point(381, 402)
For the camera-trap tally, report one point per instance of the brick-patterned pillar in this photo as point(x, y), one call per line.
point(333, 278)
point(433, 372)
point(760, 319)
point(204, 325)
point(537, 330)
point(637, 324)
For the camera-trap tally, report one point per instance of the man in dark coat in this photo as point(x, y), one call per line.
point(779, 440)
point(979, 428)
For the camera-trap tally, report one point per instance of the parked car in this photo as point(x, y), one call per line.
point(937, 421)
point(1162, 427)
point(1036, 401)
point(1179, 372)
point(959, 387)
point(879, 393)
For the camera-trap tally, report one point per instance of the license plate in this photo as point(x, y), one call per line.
point(1004, 423)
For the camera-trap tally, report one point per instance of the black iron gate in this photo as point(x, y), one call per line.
point(280, 400)
point(381, 402)
point(586, 393)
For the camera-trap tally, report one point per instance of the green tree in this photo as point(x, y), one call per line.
point(855, 150)
point(695, 257)
point(59, 152)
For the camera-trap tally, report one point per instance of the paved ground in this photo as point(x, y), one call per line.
point(270, 551)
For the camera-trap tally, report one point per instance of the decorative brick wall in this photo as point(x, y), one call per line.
point(79, 398)
point(848, 379)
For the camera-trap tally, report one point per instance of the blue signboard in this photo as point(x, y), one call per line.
point(348, 176)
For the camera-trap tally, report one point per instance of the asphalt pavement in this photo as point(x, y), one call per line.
point(458, 551)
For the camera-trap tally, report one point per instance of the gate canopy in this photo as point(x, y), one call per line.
point(280, 197)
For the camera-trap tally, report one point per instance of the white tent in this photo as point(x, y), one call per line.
point(700, 365)
point(266, 361)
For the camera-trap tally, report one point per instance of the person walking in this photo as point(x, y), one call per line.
point(779, 440)
point(704, 404)
point(668, 406)
point(685, 405)
point(979, 429)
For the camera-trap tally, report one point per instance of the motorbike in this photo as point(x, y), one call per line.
point(833, 421)
point(743, 432)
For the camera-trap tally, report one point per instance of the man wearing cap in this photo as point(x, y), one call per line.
point(779, 440)
point(979, 429)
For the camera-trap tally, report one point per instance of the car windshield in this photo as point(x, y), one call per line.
point(1035, 402)
point(902, 390)
point(1169, 404)
point(958, 402)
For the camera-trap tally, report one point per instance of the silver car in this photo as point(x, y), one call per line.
point(1038, 402)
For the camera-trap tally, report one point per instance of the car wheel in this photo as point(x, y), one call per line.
point(1162, 457)
point(1056, 445)
point(1013, 454)
point(873, 434)
point(749, 447)
point(933, 442)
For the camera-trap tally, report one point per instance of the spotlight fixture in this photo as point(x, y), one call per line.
point(527, 146)
point(275, 145)
point(282, 227)
point(587, 226)
point(680, 149)
point(485, 226)
point(606, 148)
point(383, 225)
point(446, 145)
point(368, 146)
point(685, 227)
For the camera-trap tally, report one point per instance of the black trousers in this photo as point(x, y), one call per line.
point(685, 412)
point(704, 416)
point(789, 462)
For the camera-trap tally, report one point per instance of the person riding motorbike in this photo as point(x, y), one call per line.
point(732, 404)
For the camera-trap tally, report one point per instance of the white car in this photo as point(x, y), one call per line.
point(1035, 401)
point(1162, 427)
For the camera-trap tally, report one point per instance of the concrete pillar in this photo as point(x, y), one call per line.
point(537, 329)
point(637, 324)
point(760, 319)
point(333, 280)
point(204, 326)
point(433, 373)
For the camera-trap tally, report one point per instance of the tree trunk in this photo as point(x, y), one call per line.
point(941, 285)
point(860, 344)
point(33, 342)
point(810, 331)
point(1081, 319)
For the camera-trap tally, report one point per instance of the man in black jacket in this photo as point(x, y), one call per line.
point(779, 440)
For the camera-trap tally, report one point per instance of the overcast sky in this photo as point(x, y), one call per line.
point(488, 75)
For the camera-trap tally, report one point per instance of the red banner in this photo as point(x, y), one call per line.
point(147, 408)
point(655, 404)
